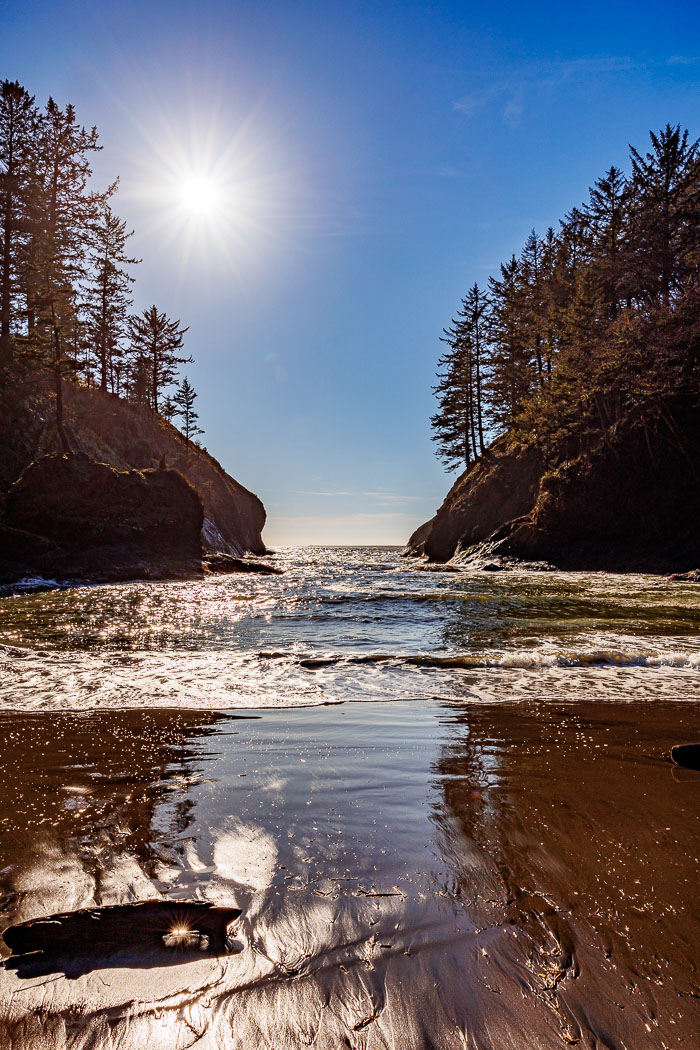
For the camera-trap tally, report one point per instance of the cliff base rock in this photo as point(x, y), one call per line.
point(217, 564)
point(69, 518)
point(126, 436)
point(630, 505)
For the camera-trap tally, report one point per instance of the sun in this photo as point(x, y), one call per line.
point(199, 195)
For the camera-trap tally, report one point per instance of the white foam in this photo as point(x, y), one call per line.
point(332, 629)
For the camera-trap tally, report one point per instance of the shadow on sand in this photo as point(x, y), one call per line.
point(124, 935)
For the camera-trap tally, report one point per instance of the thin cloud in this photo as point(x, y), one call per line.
point(393, 497)
point(347, 519)
point(513, 109)
point(683, 60)
point(384, 497)
point(513, 93)
point(448, 171)
point(384, 527)
point(327, 492)
point(472, 103)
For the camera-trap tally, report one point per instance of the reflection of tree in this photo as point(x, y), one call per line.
point(553, 820)
point(468, 769)
point(81, 794)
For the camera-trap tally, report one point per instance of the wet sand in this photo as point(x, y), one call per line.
point(412, 875)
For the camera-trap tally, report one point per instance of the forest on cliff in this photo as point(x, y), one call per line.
point(65, 273)
point(593, 326)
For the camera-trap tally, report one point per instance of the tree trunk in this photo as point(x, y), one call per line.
point(58, 381)
point(154, 386)
point(5, 341)
point(479, 412)
point(63, 437)
point(103, 338)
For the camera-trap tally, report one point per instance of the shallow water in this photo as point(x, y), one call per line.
point(351, 624)
point(415, 875)
point(511, 852)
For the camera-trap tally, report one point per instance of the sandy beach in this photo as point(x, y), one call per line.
point(411, 874)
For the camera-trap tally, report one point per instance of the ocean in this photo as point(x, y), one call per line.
point(506, 859)
point(350, 623)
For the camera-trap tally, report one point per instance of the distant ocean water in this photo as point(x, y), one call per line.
point(351, 623)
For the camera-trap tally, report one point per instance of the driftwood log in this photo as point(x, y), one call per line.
point(146, 929)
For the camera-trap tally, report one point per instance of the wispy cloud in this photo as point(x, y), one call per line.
point(513, 109)
point(343, 519)
point(449, 171)
point(683, 60)
point(361, 528)
point(382, 496)
point(327, 492)
point(514, 93)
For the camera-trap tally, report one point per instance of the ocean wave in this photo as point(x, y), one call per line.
point(29, 584)
point(281, 678)
point(339, 632)
point(513, 661)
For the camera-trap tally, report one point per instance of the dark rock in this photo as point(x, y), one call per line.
point(631, 505)
point(415, 547)
point(430, 566)
point(501, 486)
point(215, 562)
point(80, 941)
point(125, 436)
point(68, 517)
point(687, 755)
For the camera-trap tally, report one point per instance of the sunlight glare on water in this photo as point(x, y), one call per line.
point(350, 624)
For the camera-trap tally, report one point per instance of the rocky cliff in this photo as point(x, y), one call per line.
point(631, 504)
point(125, 437)
point(68, 517)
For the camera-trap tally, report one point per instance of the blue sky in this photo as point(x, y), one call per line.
point(373, 160)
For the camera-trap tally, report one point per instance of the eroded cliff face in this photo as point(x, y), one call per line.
point(70, 518)
point(125, 436)
point(502, 486)
point(632, 504)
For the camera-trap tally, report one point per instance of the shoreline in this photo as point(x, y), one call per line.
point(416, 563)
point(509, 837)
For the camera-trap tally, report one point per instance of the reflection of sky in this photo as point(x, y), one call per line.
point(302, 800)
point(300, 821)
point(400, 862)
point(382, 157)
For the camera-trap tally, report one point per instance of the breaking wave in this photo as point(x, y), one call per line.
point(524, 661)
point(350, 625)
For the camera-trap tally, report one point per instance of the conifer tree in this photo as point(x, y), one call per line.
point(592, 325)
point(168, 408)
point(533, 315)
point(18, 129)
point(476, 305)
point(511, 375)
point(458, 425)
point(666, 213)
point(184, 400)
point(607, 212)
point(137, 385)
point(107, 292)
point(155, 340)
point(62, 211)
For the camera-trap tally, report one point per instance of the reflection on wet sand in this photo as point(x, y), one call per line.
point(411, 875)
point(78, 798)
point(591, 841)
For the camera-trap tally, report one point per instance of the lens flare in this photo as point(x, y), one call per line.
point(200, 195)
point(214, 189)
